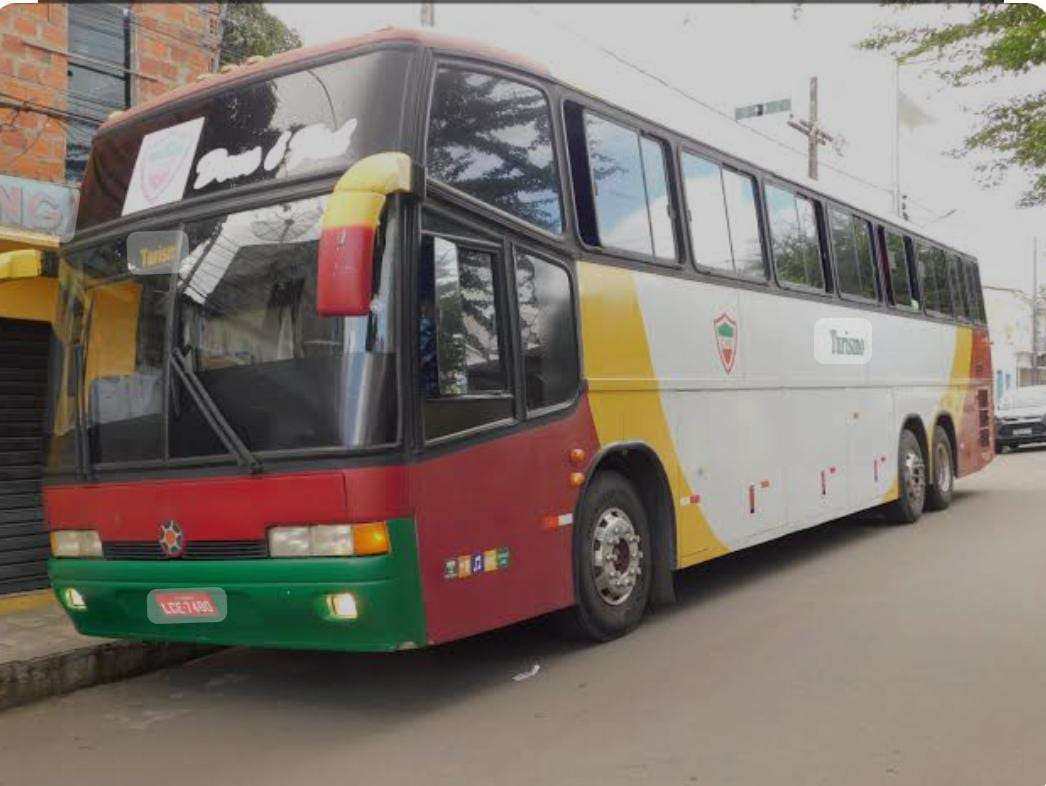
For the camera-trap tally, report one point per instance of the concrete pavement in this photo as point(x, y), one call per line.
point(848, 654)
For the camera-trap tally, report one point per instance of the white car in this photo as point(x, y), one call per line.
point(1020, 418)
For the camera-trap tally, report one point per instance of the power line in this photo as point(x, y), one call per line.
point(690, 97)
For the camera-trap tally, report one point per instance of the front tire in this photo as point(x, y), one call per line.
point(939, 494)
point(911, 481)
point(613, 560)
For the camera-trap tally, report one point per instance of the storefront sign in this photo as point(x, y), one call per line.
point(32, 206)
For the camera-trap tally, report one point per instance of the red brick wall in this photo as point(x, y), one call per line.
point(171, 44)
point(32, 145)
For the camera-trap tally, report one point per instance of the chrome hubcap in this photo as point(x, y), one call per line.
point(943, 468)
point(615, 556)
point(914, 477)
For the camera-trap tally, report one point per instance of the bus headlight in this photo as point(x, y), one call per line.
point(76, 543)
point(329, 540)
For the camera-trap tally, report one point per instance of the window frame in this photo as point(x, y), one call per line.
point(506, 343)
point(870, 233)
point(827, 273)
point(934, 247)
point(587, 104)
point(882, 231)
point(687, 148)
point(555, 134)
point(527, 414)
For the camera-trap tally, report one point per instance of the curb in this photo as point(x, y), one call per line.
point(25, 681)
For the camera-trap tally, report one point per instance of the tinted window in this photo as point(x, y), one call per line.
point(933, 277)
point(793, 238)
point(852, 248)
point(630, 185)
point(321, 119)
point(974, 289)
point(658, 198)
point(957, 283)
point(492, 138)
point(548, 335)
point(897, 262)
point(464, 375)
point(706, 208)
point(742, 214)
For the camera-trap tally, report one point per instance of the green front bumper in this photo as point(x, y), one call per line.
point(271, 602)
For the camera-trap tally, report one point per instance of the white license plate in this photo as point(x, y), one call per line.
point(1021, 432)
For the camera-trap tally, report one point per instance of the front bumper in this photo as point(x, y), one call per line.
point(271, 602)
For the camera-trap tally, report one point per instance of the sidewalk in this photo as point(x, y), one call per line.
point(42, 655)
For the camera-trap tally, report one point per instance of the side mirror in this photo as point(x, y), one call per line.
point(351, 222)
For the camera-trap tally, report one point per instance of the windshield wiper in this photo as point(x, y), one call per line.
point(212, 414)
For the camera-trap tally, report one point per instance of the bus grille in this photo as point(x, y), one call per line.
point(197, 549)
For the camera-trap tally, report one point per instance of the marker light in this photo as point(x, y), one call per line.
point(342, 605)
point(73, 599)
point(329, 540)
point(76, 543)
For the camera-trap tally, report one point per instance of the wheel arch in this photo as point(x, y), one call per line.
point(640, 464)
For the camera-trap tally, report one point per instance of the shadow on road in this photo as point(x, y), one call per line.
point(387, 686)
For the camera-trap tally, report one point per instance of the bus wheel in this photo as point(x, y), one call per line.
point(613, 563)
point(911, 481)
point(939, 493)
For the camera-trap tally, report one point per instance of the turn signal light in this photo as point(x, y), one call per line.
point(329, 540)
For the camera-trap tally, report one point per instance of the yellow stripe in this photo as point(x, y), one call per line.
point(353, 209)
point(26, 601)
point(381, 173)
point(617, 354)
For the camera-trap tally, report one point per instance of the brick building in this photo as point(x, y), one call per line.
point(63, 69)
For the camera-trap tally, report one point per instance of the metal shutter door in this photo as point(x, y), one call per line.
point(23, 384)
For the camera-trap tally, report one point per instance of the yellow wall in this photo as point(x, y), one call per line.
point(28, 298)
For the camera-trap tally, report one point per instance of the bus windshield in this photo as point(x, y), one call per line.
point(235, 315)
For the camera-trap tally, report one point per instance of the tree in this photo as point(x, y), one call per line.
point(251, 30)
point(998, 41)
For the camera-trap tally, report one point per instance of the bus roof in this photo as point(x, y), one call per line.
point(262, 66)
point(471, 48)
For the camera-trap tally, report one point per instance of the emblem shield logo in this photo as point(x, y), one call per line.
point(172, 539)
point(725, 328)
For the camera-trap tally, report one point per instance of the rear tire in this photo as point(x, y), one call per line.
point(939, 493)
point(613, 561)
point(911, 481)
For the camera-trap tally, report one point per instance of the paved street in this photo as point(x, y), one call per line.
point(850, 654)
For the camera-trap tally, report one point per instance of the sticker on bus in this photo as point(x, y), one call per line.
point(161, 170)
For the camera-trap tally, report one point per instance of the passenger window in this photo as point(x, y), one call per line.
point(491, 138)
point(724, 228)
point(630, 188)
point(957, 282)
point(978, 291)
point(933, 278)
point(794, 242)
point(464, 373)
point(548, 334)
point(852, 249)
point(897, 263)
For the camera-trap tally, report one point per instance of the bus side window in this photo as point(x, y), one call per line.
point(794, 241)
point(852, 249)
point(464, 370)
point(897, 267)
point(960, 290)
point(548, 332)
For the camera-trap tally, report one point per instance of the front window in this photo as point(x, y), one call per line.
point(233, 312)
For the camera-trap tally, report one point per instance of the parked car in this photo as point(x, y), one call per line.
point(1020, 418)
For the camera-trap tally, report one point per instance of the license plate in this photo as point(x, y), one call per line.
point(1021, 432)
point(168, 606)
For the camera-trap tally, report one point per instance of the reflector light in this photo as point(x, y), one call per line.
point(73, 599)
point(342, 605)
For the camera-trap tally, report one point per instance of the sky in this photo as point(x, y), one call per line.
point(702, 61)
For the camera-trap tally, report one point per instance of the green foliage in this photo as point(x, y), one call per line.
point(251, 30)
point(999, 41)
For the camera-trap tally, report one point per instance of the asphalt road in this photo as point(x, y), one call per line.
point(853, 653)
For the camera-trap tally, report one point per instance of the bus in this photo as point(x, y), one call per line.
point(386, 343)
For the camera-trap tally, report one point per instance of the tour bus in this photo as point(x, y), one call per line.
point(386, 343)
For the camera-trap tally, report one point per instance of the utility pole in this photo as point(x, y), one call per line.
point(815, 135)
point(428, 14)
point(1035, 311)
